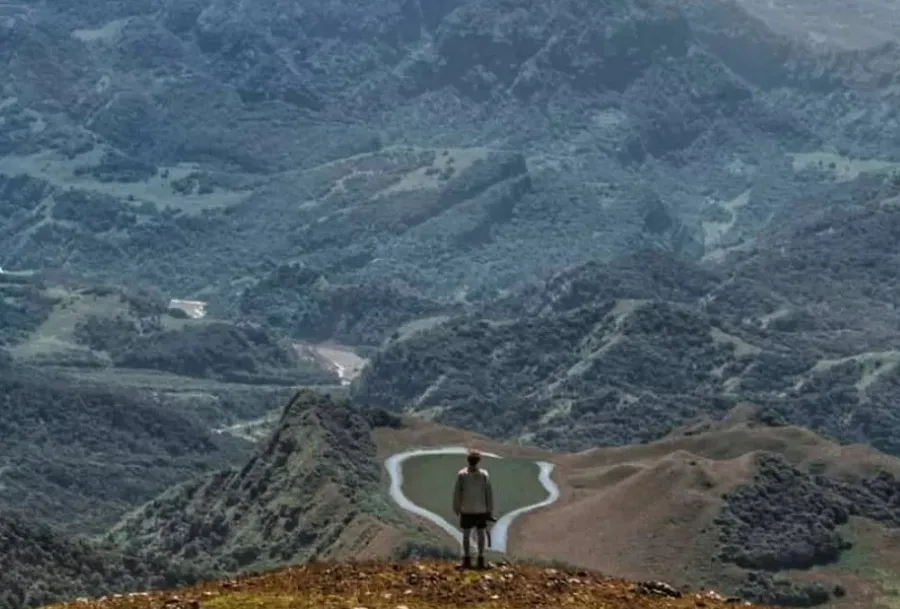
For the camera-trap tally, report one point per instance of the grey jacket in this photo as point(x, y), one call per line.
point(472, 493)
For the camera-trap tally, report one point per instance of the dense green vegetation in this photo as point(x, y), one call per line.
point(218, 350)
point(497, 377)
point(436, 152)
point(23, 307)
point(79, 456)
point(315, 478)
point(39, 565)
point(789, 519)
point(625, 352)
point(103, 326)
point(303, 303)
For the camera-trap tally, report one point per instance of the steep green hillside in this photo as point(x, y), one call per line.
point(39, 565)
point(625, 371)
point(303, 303)
point(80, 455)
point(311, 490)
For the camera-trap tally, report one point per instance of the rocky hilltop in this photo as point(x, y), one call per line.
point(427, 584)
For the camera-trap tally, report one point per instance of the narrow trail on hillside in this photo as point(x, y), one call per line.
point(244, 429)
point(500, 530)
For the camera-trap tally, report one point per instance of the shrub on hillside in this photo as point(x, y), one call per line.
point(303, 302)
point(220, 350)
point(95, 212)
point(789, 519)
point(21, 312)
point(784, 520)
point(80, 454)
point(39, 566)
point(765, 589)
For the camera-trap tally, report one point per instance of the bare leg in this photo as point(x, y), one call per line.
point(467, 542)
point(480, 539)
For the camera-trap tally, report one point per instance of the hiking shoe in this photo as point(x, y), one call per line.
point(466, 563)
point(482, 564)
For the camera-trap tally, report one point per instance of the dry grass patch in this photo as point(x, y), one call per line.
point(57, 333)
point(843, 168)
point(59, 171)
point(446, 162)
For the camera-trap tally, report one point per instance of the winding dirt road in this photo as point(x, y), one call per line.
point(500, 530)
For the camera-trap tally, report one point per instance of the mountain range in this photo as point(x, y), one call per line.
point(251, 250)
point(169, 143)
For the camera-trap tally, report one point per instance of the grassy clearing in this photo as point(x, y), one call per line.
point(873, 365)
point(446, 162)
point(865, 559)
point(741, 347)
point(843, 168)
point(415, 326)
point(715, 230)
point(57, 333)
point(428, 482)
point(59, 171)
point(108, 33)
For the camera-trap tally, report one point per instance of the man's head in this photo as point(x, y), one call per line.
point(473, 457)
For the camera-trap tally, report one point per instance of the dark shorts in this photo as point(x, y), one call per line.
point(477, 521)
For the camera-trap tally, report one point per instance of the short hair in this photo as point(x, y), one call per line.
point(473, 457)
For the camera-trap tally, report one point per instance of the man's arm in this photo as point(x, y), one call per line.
point(488, 494)
point(457, 494)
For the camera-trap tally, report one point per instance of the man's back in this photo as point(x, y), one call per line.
point(473, 501)
point(473, 493)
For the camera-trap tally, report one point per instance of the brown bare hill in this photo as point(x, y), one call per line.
point(776, 514)
point(311, 491)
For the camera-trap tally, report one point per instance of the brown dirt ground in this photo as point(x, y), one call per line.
point(428, 585)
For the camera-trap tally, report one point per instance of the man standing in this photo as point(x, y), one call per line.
point(473, 502)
